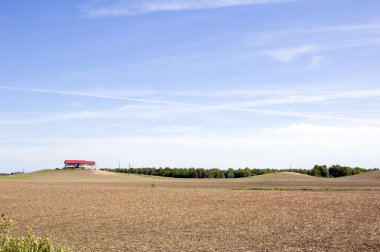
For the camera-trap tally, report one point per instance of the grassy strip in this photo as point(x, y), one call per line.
point(313, 180)
point(306, 189)
point(29, 175)
point(151, 176)
point(16, 176)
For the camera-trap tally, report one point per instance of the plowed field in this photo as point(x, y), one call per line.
point(100, 211)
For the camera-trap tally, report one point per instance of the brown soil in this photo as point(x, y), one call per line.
point(98, 211)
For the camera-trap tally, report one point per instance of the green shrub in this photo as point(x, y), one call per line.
point(27, 243)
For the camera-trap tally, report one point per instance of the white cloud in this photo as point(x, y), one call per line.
point(127, 8)
point(299, 145)
point(316, 61)
point(287, 55)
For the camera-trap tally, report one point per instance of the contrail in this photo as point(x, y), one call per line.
point(112, 97)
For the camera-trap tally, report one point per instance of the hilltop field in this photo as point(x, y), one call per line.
point(104, 211)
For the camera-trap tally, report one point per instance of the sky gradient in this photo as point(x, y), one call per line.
point(196, 83)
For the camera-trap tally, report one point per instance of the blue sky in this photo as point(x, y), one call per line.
point(203, 83)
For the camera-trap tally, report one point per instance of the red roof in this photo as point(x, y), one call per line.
point(79, 162)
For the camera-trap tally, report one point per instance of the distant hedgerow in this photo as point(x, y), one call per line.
point(318, 171)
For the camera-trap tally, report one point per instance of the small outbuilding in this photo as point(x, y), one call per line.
point(79, 164)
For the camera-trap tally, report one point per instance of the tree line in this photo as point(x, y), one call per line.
point(335, 171)
point(317, 170)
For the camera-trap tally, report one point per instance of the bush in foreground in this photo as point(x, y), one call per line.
point(28, 243)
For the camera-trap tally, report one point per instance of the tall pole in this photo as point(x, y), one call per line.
point(119, 164)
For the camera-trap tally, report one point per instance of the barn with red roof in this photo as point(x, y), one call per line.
point(79, 164)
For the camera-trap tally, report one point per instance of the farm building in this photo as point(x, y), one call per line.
point(79, 164)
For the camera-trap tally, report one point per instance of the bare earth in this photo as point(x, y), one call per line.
point(100, 211)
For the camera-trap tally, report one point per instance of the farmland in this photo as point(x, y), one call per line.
point(103, 211)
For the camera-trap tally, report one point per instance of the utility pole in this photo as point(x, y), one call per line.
point(119, 164)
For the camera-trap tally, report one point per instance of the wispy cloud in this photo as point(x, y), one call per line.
point(371, 26)
point(316, 61)
point(278, 96)
point(261, 103)
point(98, 95)
point(134, 7)
point(308, 40)
point(310, 29)
point(288, 55)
